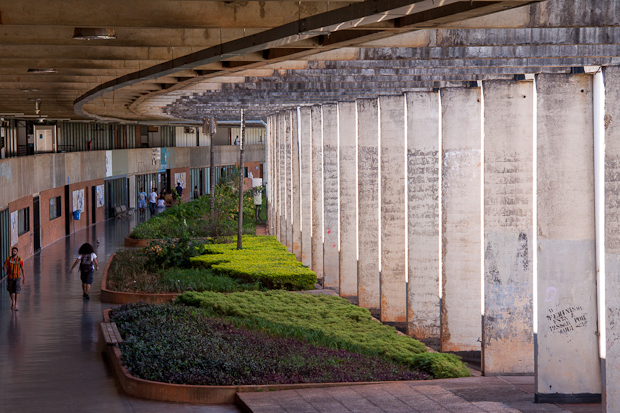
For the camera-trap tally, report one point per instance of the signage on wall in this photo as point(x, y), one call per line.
point(108, 163)
point(14, 229)
point(78, 200)
point(180, 177)
point(100, 196)
point(156, 156)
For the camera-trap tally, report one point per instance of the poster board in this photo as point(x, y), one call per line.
point(78, 200)
point(180, 177)
point(14, 228)
point(100, 196)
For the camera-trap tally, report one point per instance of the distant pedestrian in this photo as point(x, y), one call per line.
point(196, 193)
point(237, 140)
point(142, 201)
point(179, 189)
point(14, 270)
point(153, 200)
point(88, 265)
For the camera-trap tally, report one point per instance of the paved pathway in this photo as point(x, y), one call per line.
point(51, 353)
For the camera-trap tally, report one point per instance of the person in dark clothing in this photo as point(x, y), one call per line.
point(179, 189)
point(196, 193)
point(88, 264)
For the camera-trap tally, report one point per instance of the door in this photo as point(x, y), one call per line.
point(37, 223)
point(93, 202)
point(68, 215)
point(5, 234)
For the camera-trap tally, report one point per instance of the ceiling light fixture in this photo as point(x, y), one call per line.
point(48, 70)
point(29, 90)
point(94, 33)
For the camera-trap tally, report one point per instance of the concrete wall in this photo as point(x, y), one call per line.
point(423, 148)
point(369, 287)
point(567, 350)
point(508, 344)
point(393, 203)
point(462, 168)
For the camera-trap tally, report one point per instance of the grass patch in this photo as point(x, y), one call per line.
point(263, 259)
point(178, 344)
point(130, 272)
point(323, 320)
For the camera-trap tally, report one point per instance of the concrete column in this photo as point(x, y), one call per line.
point(462, 168)
point(282, 174)
point(369, 285)
point(317, 190)
point(277, 160)
point(330, 197)
point(306, 185)
point(508, 343)
point(296, 192)
point(611, 360)
point(347, 126)
point(392, 130)
point(289, 180)
point(270, 175)
point(567, 362)
point(423, 148)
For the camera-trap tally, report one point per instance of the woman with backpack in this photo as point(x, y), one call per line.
point(88, 264)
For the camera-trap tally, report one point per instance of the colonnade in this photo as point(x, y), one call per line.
point(467, 217)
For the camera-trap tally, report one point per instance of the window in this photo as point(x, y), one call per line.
point(24, 220)
point(55, 209)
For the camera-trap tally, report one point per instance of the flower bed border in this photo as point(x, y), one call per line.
point(120, 297)
point(200, 394)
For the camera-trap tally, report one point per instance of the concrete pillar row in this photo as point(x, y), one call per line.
point(268, 176)
point(296, 188)
point(288, 136)
point(306, 184)
point(282, 176)
point(277, 175)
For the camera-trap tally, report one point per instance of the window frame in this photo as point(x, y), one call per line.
point(23, 216)
point(58, 202)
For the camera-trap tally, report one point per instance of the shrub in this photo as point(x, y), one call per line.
point(262, 259)
point(322, 320)
point(167, 253)
point(440, 365)
point(176, 344)
point(199, 279)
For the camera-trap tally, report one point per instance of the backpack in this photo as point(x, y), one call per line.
point(86, 264)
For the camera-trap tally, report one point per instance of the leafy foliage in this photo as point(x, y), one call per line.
point(262, 259)
point(175, 344)
point(322, 320)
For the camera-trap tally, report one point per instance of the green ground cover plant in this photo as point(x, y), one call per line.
point(131, 272)
point(323, 320)
point(263, 259)
point(178, 344)
point(196, 219)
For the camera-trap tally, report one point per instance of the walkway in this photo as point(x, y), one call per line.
point(51, 354)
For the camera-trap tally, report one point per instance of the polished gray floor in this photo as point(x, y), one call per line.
point(51, 350)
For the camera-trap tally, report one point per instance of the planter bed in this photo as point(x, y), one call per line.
point(120, 297)
point(137, 243)
point(219, 394)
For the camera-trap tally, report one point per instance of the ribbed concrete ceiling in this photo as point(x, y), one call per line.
point(175, 60)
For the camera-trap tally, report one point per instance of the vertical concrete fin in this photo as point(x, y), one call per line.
point(368, 204)
point(306, 185)
point(461, 304)
point(330, 197)
point(296, 192)
point(317, 190)
point(347, 125)
point(508, 346)
point(423, 134)
point(393, 214)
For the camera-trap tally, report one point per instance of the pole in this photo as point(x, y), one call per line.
point(241, 176)
point(212, 165)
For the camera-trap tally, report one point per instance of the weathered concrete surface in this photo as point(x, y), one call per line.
point(567, 347)
point(369, 286)
point(280, 160)
point(296, 192)
point(461, 187)
point(347, 148)
point(508, 342)
point(331, 261)
point(317, 190)
point(612, 238)
point(288, 174)
point(306, 185)
point(423, 148)
point(393, 214)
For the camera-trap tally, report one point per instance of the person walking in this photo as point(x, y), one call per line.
point(88, 264)
point(153, 200)
point(14, 270)
point(142, 201)
point(196, 193)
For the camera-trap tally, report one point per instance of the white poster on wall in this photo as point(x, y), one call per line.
point(100, 196)
point(78, 200)
point(14, 228)
point(180, 177)
point(108, 163)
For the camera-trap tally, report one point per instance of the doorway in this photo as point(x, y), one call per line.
point(93, 202)
point(37, 223)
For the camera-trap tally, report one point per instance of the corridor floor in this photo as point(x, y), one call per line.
point(51, 354)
